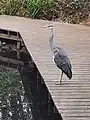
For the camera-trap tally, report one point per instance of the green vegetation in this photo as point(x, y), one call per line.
point(9, 78)
point(72, 11)
point(28, 8)
point(38, 8)
point(13, 101)
point(35, 7)
point(14, 7)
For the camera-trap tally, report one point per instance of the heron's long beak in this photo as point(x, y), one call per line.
point(44, 27)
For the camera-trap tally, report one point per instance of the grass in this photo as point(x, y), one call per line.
point(14, 7)
point(12, 96)
point(74, 11)
point(71, 11)
point(27, 8)
point(9, 79)
point(35, 7)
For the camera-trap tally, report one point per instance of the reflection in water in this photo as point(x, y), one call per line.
point(13, 101)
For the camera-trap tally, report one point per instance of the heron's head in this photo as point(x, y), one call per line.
point(48, 26)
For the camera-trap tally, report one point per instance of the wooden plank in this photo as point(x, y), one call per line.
point(11, 35)
point(8, 60)
point(72, 97)
point(12, 54)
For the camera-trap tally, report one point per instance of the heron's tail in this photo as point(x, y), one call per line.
point(69, 75)
point(67, 70)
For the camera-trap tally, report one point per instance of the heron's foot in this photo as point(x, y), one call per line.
point(58, 83)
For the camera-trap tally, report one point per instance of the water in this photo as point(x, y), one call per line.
point(13, 100)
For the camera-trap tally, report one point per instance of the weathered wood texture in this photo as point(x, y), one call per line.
point(72, 98)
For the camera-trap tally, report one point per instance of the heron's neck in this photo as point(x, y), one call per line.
point(51, 40)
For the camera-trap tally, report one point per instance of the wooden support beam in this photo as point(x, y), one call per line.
point(10, 35)
point(18, 55)
point(18, 45)
point(18, 48)
point(7, 36)
point(22, 56)
point(12, 61)
point(39, 98)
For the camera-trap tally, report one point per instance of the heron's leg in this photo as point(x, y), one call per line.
point(61, 77)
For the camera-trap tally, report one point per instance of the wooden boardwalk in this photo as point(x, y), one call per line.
point(72, 98)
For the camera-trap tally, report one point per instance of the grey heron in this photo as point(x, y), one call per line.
point(60, 57)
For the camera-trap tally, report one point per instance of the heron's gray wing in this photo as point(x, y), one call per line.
point(63, 63)
point(65, 58)
point(66, 67)
point(58, 60)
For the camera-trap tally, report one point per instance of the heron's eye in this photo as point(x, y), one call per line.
point(55, 51)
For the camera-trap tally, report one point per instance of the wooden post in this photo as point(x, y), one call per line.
point(18, 48)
